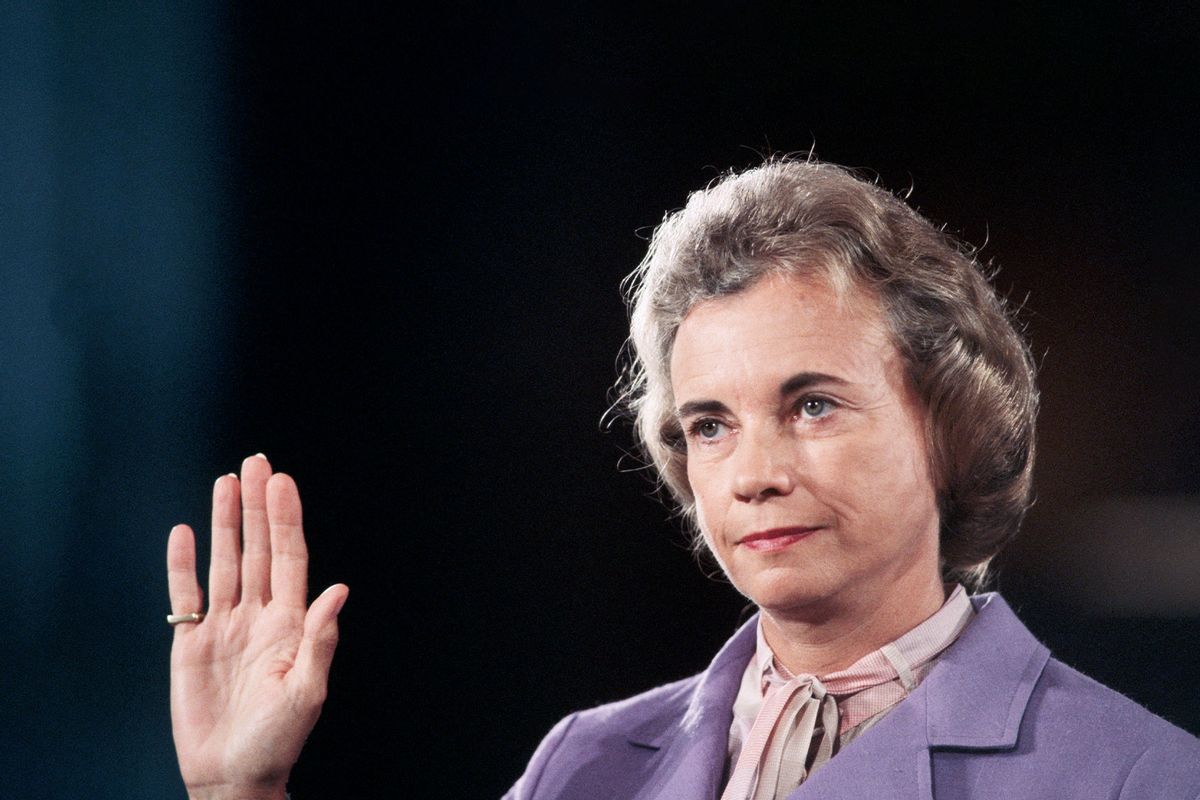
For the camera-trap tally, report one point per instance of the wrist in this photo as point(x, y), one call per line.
point(237, 793)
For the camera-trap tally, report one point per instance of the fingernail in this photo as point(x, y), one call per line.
point(338, 610)
point(260, 455)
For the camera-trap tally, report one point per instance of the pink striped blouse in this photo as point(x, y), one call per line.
point(895, 669)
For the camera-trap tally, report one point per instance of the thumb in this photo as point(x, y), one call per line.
point(320, 639)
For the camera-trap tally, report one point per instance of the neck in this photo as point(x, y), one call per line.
point(830, 637)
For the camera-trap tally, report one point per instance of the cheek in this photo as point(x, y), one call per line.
point(892, 470)
point(907, 468)
point(707, 509)
point(900, 482)
point(877, 477)
point(700, 497)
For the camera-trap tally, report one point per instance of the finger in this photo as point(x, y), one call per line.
point(225, 562)
point(289, 555)
point(256, 532)
point(311, 668)
point(182, 585)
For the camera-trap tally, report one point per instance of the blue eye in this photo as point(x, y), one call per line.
point(815, 407)
point(707, 430)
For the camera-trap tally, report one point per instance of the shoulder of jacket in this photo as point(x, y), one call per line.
point(671, 698)
point(1086, 706)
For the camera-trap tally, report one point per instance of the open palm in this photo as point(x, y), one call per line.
point(248, 682)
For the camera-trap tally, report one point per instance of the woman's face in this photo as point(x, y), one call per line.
point(806, 449)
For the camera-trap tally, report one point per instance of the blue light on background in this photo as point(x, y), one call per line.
point(113, 312)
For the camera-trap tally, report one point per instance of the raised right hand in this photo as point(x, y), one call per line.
point(248, 682)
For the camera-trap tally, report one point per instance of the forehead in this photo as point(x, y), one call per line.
point(780, 325)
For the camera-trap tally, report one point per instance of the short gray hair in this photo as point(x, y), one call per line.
point(969, 366)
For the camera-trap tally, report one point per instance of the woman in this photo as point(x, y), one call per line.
point(836, 399)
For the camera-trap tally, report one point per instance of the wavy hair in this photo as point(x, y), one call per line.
point(969, 366)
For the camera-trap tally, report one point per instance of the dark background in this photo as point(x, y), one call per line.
point(384, 248)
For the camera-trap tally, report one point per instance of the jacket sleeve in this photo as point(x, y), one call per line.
point(1165, 771)
point(526, 786)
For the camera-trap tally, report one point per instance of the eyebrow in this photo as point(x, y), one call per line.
point(796, 383)
point(806, 380)
point(693, 407)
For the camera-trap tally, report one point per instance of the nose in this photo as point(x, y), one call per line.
point(762, 466)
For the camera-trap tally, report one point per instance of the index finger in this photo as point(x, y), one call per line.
point(289, 554)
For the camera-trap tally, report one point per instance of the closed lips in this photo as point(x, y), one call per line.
point(775, 534)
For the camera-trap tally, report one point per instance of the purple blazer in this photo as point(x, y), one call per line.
point(997, 717)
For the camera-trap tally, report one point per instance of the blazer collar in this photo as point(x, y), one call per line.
point(974, 698)
point(977, 693)
point(694, 746)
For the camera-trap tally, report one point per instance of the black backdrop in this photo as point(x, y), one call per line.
point(425, 216)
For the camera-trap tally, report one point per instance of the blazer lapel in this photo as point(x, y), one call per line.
point(972, 700)
point(693, 749)
point(891, 761)
point(980, 687)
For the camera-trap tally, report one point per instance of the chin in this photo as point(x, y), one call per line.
point(783, 589)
